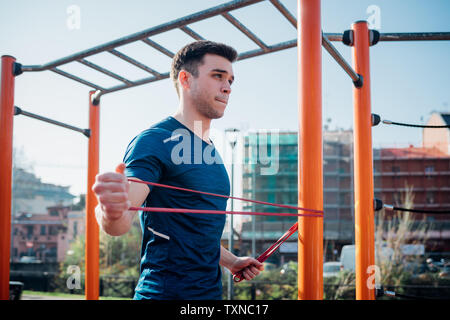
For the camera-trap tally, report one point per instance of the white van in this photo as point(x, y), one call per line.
point(347, 258)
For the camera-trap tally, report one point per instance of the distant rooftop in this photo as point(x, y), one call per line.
point(411, 152)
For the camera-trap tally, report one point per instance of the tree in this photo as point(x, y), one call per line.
point(81, 204)
point(119, 261)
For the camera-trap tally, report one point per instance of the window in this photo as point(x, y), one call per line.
point(75, 229)
point(42, 230)
point(430, 197)
point(52, 231)
point(30, 230)
point(395, 169)
point(428, 171)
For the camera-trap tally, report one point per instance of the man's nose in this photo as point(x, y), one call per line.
point(226, 88)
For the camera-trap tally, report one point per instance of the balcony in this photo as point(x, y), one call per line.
point(414, 173)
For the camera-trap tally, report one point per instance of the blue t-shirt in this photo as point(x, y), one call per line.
point(180, 251)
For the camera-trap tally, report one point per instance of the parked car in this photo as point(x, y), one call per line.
point(29, 259)
point(331, 269)
point(347, 257)
point(445, 272)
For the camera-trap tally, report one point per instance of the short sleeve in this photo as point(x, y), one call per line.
point(145, 157)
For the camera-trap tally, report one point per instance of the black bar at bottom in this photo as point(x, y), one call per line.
point(18, 111)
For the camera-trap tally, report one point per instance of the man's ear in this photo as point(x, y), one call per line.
point(184, 79)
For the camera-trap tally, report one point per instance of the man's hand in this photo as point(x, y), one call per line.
point(111, 189)
point(251, 267)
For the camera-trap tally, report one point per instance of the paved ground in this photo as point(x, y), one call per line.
point(36, 297)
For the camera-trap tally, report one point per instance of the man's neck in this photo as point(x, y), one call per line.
point(195, 121)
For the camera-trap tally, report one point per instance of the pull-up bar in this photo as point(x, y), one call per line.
point(18, 111)
point(357, 78)
point(309, 40)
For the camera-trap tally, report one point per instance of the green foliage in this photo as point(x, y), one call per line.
point(81, 204)
point(275, 284)
point(119, 263)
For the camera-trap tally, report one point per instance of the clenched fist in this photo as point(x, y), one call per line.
point(111, 189)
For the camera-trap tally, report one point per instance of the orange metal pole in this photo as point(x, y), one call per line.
point(363, 168)
point(92, 228)
point(6, 142)
point(310, 178)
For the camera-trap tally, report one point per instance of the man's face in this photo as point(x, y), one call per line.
point(211, 89)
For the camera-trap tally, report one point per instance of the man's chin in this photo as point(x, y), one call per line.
point(212, 113)
point(215, 116)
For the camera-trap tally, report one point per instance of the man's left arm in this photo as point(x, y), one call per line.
point(251, 266)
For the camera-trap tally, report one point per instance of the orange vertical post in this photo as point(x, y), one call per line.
point(310, 178)
point(6, 142)
point(92, 252)
point(363, 166)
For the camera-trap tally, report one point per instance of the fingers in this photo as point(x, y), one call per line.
point(111, 177)
point(116, 197)
point(258, 264)
point(250, 272)
point(114, 211)
point(111, 189)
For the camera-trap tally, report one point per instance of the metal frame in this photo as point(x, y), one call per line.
point(183, 24)
point(19, 111)
point(311, 269)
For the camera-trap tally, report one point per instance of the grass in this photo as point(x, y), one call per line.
point(67, 295)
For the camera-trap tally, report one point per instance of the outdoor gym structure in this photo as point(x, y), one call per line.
point(310, 178)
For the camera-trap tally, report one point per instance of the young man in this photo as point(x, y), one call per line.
point(181, 252)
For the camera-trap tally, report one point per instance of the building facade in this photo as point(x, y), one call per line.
point(31, 195)
point(426, 171)
point(45, 237)
point(270, 173)
point(438, 137)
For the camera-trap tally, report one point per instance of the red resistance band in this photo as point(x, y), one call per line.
point(238, 276)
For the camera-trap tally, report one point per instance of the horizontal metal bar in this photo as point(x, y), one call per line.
point(19, 111)
point(134, 62)
point(136, 83)
point(158, 47)
point(242, 56)
point(71, 76)
point(417, 36)
point(174, 24)
point(339, 59)
point(192, 33)
point(245, 30)
point(273, 48)
point(285, 12)
point(405, 36)
point(105, 71)
point(334, 36)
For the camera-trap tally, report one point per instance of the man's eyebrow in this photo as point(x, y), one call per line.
point(222, 71)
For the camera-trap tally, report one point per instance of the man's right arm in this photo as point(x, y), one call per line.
point(115, 194)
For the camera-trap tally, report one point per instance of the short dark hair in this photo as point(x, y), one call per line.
point(191, 56)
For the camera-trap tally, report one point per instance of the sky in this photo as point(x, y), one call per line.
point(409, 80)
